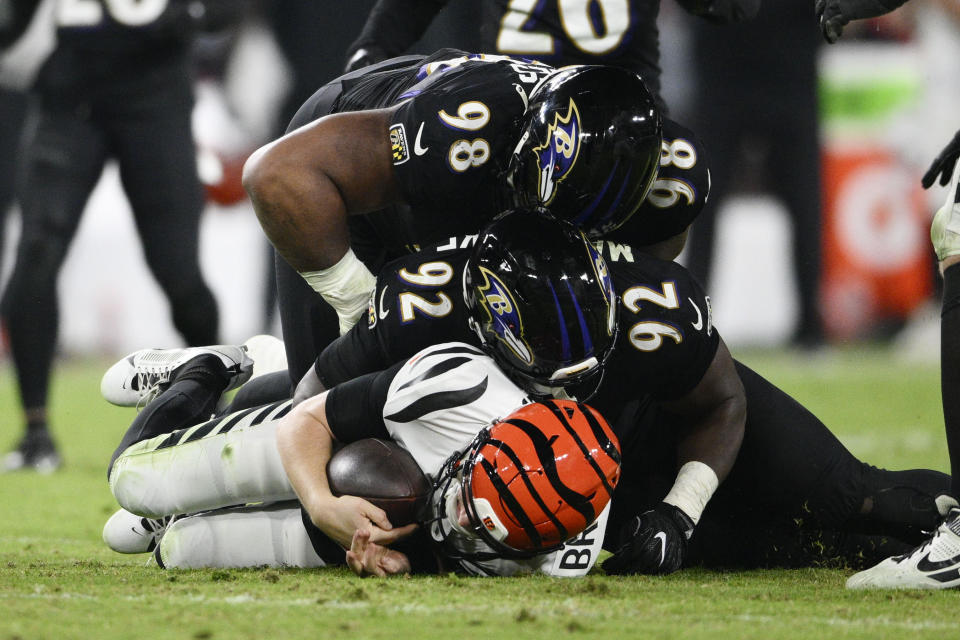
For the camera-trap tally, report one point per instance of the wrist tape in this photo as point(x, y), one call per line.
point(346, 286)
point(692, 489)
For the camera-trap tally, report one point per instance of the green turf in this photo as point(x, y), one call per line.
point(57, 579)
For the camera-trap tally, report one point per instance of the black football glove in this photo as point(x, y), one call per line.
point(943, 164)
point(654, 542)
point(364, 56)
point(834, 14)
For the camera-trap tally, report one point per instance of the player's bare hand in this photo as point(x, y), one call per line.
point(341, 517)
point(366, 558)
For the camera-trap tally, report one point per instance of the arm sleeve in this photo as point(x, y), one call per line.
point(355, 408)
point(14, 19)
point(395, 25)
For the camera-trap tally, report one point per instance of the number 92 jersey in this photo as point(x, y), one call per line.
point(666, 338)
point(452, 133)
point(665, 344)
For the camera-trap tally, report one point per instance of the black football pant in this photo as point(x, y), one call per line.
point(950, 369)
point(142, 119)
point(13, 114)
point(795, 495)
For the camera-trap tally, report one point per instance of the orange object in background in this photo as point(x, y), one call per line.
point(877, 258)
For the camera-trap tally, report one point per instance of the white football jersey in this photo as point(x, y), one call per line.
point(436, 404)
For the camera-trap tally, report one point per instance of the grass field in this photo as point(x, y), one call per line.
point(58, 580)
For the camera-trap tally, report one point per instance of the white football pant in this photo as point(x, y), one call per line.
point(228, 461)
point(272, 536)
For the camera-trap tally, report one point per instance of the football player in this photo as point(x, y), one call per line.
point(375, 162)
point(935, 564)
point(434, 404)
point(558, 32)
point(679, 403)
point(117, 86)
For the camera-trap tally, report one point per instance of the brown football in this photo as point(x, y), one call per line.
point(383, 473)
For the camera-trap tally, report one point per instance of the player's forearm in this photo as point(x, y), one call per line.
point(304, 185)
point(298, 206)
point(305, 445)
point(715, 413)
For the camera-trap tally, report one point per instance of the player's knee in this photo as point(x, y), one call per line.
point(188, 543)
point(133, 487)
point(904, 498)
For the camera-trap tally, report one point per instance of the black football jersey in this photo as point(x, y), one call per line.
point(678, 194)
point(456, 120)
point(666, 337)
point(665, 344)
point(125, 26)
point(561, 32)
point(418, 302)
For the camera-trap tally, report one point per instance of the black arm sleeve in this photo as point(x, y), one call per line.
point(14, 19)
point(722, 11)
point(355, 408)
point(214, 15)
point(395, 25)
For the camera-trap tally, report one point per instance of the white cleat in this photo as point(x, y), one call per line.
point(945, 229)
point(268, 354)
point(127, 532)
point(141, 376)
point(935, 564)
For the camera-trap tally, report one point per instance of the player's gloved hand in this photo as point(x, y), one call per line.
point(366, 55)
point(835, 14)
point(943, 164)
point(654, 542)
point(367, 558)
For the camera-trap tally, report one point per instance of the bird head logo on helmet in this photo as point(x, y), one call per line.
point(589, 148)
point(541, 301)
point(526, 484)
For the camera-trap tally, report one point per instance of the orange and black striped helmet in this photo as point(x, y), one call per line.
point(534, 480)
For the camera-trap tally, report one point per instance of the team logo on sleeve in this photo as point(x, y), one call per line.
point(558, 153)
point(398, 144)
point(503, 314)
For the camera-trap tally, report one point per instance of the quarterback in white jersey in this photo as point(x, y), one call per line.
point(233, 481)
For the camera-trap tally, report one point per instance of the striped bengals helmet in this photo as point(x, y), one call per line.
point(534, 480)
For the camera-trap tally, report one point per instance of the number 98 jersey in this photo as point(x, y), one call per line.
point(452, 133)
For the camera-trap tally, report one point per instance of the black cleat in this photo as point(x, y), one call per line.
point(36, 451)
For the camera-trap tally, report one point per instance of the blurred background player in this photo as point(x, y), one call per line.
point(117, 86)
point(557, 32)
point(769, 61)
